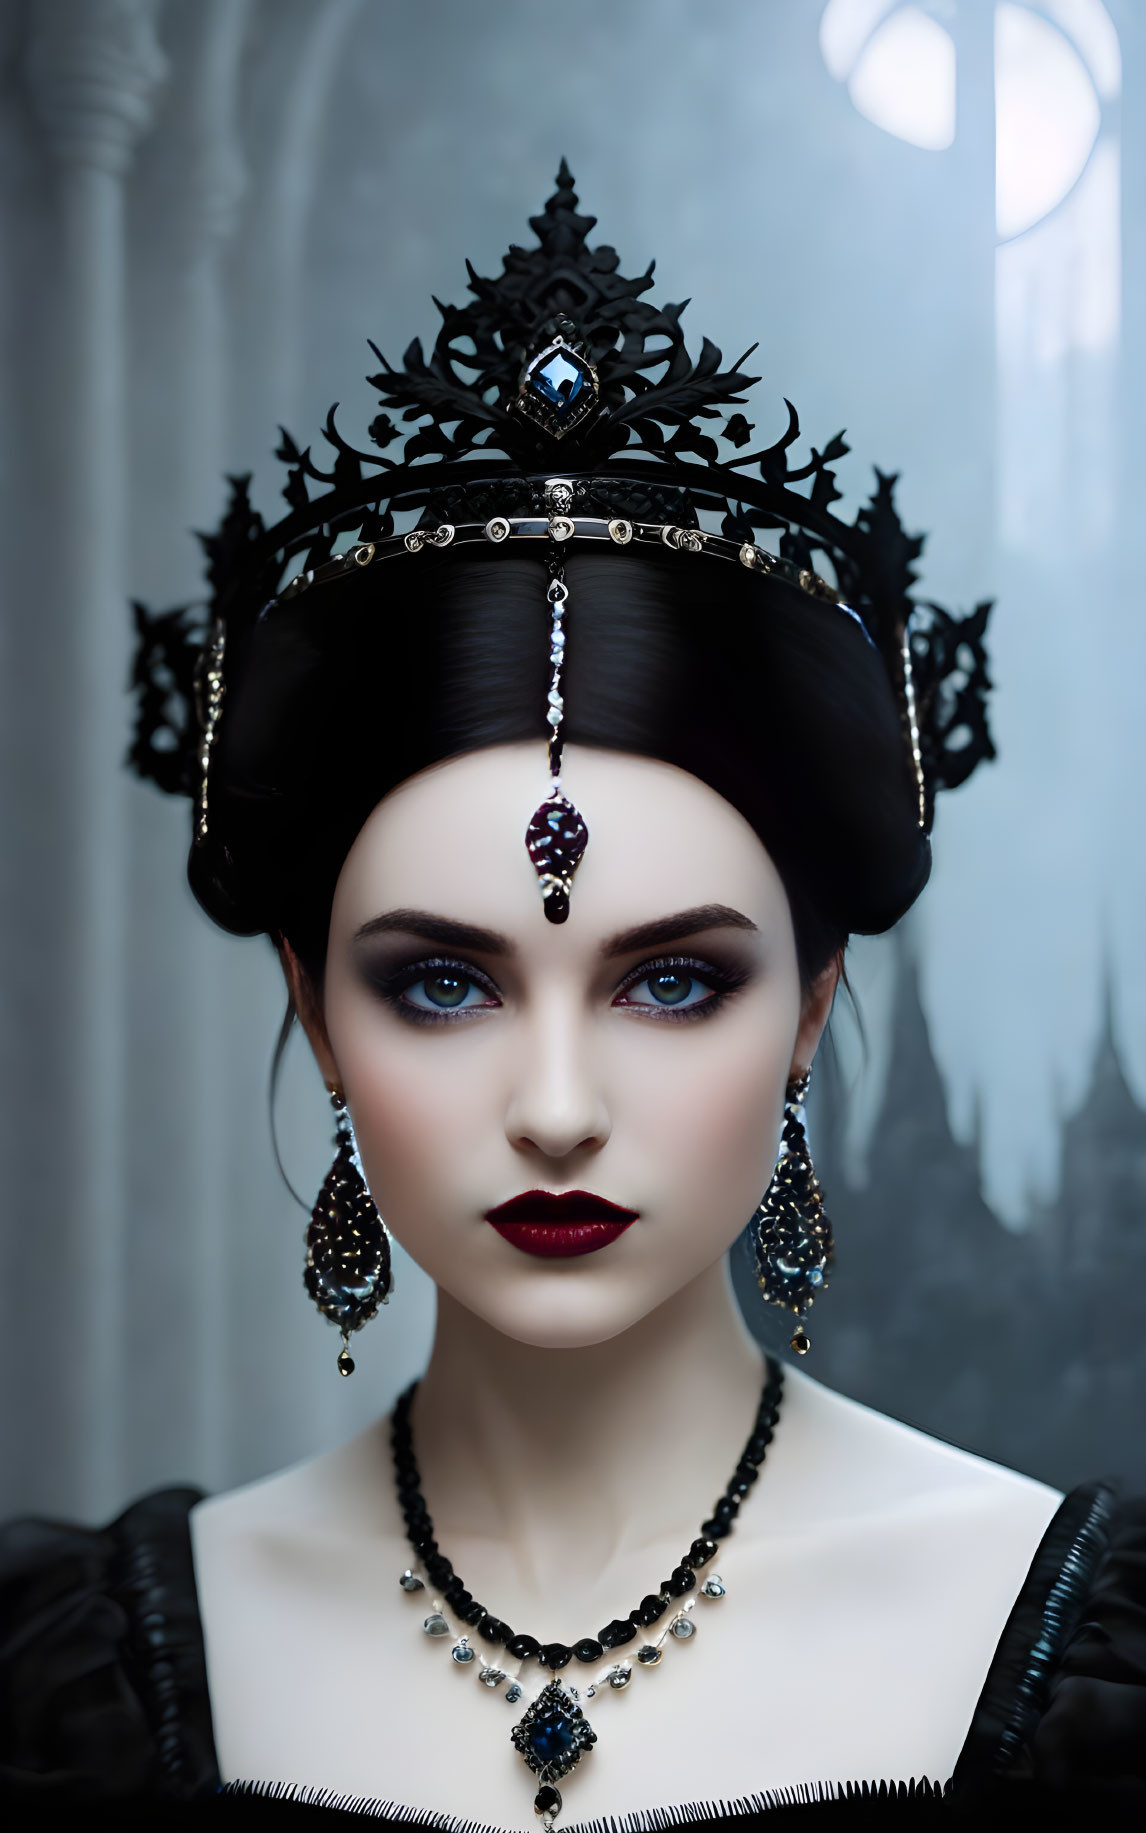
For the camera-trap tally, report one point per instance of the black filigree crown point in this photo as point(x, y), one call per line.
point(562, 362)
point(628, 354)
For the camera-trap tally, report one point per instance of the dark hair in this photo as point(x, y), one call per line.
point(774, 699)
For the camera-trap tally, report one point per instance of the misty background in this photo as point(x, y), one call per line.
point(933, 218)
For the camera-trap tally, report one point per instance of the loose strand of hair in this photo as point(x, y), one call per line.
point(281, 1042)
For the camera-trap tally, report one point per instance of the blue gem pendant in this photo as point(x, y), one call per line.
point(556, 836)
point(552, 1737)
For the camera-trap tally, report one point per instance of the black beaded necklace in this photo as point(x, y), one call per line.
point(554, 1732)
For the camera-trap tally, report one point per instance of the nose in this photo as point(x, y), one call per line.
point(557, 1105)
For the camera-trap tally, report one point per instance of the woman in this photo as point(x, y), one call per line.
point(565, 1017)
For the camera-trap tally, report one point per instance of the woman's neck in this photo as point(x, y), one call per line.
point(567, 1458)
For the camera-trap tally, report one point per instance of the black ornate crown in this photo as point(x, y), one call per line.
point(561, 365)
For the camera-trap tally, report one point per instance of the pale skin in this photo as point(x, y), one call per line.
point(578, 1417)
point(567, 1082)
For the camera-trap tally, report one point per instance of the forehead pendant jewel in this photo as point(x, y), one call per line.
point(556, 836)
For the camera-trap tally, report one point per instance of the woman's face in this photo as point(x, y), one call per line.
point(638, 1052)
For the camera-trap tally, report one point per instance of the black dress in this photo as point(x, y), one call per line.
point(105, 1716)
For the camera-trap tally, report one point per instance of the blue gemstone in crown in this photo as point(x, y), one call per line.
point(558, 388)
point(560, 380)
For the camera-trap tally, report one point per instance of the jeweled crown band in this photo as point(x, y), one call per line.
point(619, 531)
point(558, 531)
point(557, 835)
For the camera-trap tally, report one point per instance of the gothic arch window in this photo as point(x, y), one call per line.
point(1057, 88)
point(1057, 80)
point(898, 62)
point(1052, 456)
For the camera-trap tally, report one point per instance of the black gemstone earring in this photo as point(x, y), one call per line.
point(347, 1270)
point(791, 1235)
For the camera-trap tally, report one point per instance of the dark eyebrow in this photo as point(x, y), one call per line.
point(437, 929)
point(451, 934)
point(674, 928)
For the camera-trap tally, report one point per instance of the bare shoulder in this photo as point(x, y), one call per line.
point(842, 1465)
point(344, 1492)
point(886, 1563)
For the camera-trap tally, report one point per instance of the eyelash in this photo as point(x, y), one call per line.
point(392, 986)
point(722, 981)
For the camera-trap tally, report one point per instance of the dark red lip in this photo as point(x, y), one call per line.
point(569, 1206)
point(560, 1226)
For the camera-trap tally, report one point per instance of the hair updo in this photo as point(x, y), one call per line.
point(771, 697)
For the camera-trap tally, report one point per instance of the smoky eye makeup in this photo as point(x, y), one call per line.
point(679, 988)
point(444, 989)
point(429, 990)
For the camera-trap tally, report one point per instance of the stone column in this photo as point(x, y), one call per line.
point(183, 1220)
point(275, 1342)
point(93, 69)
point(219, 181)
point(294, 95)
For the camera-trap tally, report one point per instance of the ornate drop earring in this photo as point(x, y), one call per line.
point(347, 1270)
point(791, 1235)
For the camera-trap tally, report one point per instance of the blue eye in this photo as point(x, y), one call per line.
point(668, 987)
point(446, 990)
point(681, 987)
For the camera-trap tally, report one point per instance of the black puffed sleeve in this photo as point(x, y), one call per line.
point(1093, 1731)
point(1060, 1728)
point(103, 1688)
